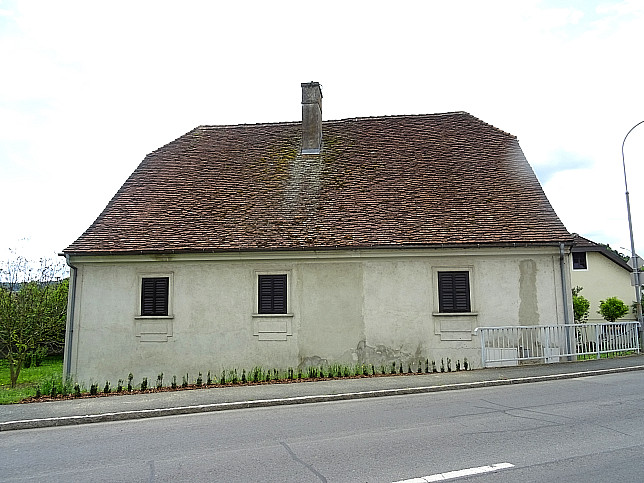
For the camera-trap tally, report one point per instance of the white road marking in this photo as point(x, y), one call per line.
point(450, 475)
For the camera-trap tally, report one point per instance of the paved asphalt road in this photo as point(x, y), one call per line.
point(586, 429)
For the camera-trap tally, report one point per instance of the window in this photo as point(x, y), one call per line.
point(272, 294)
point(579, 261)
point(154, 296)
point(454, 292)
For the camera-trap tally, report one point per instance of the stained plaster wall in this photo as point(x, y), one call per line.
point(371, 307)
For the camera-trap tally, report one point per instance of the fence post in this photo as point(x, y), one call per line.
point(482, 332)
point(599, 354)
point(546, 351)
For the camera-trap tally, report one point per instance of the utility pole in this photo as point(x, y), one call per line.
point(634, 258)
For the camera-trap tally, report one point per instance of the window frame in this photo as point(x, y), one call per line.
point(289, 292)
point(168, 312)
point(453, 309)
point(585, 264)
point(278, 297)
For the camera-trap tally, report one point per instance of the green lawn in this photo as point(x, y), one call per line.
point(50, 370)
point(608, 355)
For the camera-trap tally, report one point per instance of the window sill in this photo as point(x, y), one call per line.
point(272, 315)
point(455, 314)
point(153, 317)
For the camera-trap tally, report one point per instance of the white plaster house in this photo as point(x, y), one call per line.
point(366, 240)
point(602, 274)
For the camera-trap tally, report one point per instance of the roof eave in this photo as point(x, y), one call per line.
point(433, 246)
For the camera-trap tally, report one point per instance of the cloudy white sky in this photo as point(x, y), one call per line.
point(87, 89)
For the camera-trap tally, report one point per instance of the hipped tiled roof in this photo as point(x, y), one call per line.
point(396, 181)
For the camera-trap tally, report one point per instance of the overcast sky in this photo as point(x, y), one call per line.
point(87, 89)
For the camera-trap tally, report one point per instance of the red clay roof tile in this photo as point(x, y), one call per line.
point(397, 181)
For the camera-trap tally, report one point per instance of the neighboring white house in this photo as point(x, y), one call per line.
point(366, 240)
point(601, 273)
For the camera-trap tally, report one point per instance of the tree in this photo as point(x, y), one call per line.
point(581, 306)
point(33, 309)
point(626, 258)
point(612, 309)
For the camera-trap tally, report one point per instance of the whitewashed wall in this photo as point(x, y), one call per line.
point(370, 306)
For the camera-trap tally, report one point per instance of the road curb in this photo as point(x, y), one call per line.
point(227, 406)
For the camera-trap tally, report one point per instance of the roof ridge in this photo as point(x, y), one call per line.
point(353, 119)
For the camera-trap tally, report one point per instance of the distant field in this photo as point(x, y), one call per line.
point(29, 379)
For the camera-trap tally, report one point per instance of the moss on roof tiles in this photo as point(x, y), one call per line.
point(380, 181)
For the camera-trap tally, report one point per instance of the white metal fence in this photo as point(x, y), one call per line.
point(504, 346)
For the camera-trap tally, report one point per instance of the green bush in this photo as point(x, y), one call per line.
point(612, 309)
point(581, 306)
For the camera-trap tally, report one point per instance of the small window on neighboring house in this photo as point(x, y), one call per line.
point(272, 294)
point(579, 261)
point(454, 292)
point(154, 296)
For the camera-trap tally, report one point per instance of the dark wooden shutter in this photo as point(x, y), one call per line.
point(154, 296)
point(454, 291)
point(272, 294)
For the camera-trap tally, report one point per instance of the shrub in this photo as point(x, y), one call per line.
point(580, 305)
point(612, 309)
